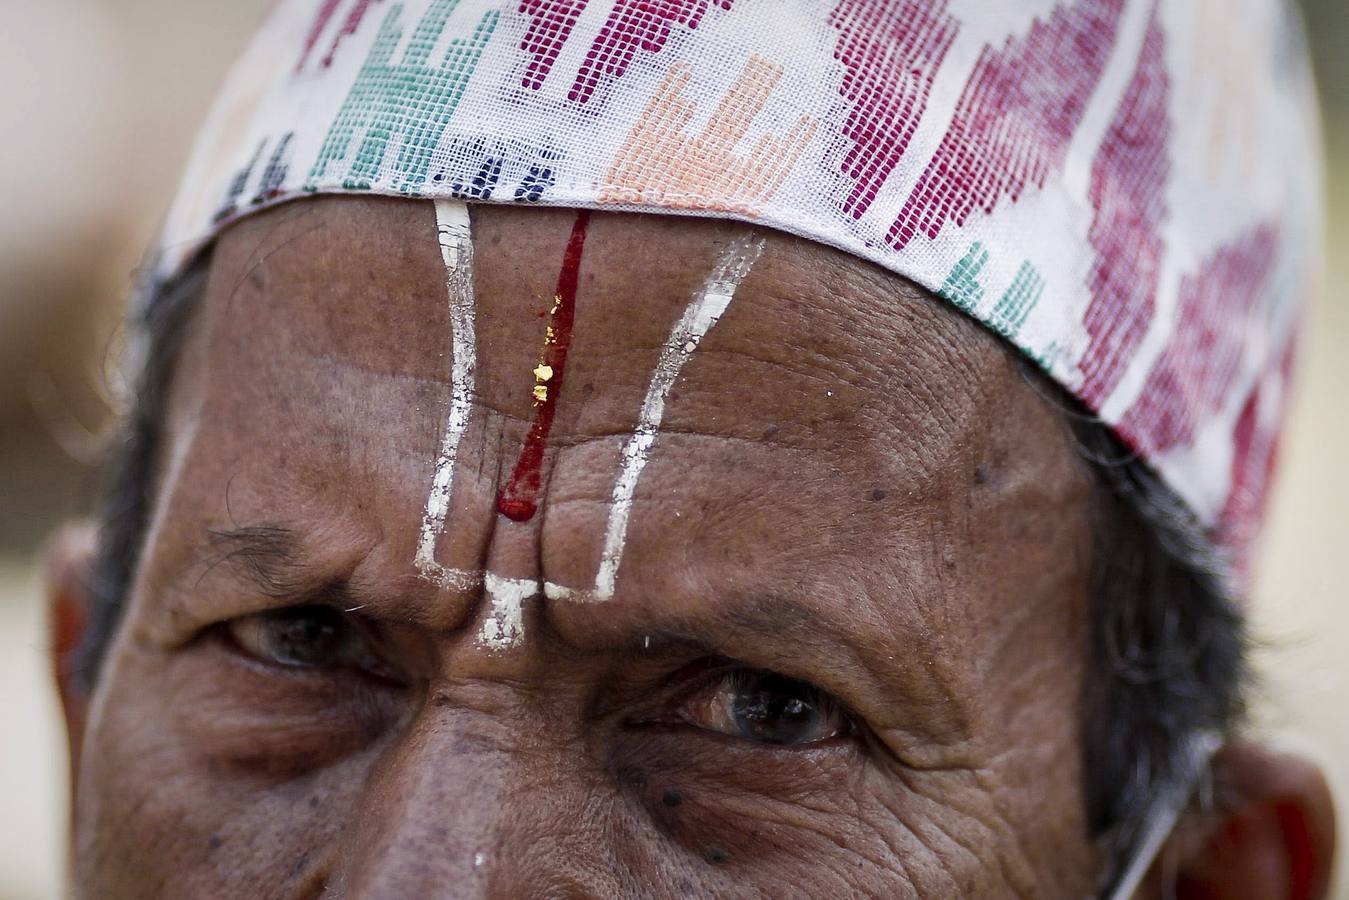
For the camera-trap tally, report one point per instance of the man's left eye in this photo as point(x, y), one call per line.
point(766, 708)
point(310, 637)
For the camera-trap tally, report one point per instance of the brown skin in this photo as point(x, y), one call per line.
point(853, 487)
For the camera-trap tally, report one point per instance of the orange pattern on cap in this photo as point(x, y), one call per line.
point(660, 164)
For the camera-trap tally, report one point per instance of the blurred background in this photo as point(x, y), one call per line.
point(110, 94)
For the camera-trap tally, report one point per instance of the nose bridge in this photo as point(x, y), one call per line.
point(481, 798)
point(428, 818)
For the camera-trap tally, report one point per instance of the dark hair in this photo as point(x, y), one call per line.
point(156, 338)
point(1167, 654)
point(1168, 648)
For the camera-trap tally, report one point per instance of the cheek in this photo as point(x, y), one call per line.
point(244, 719)
point(839, 821)
point(203, 778)
point(808, 822)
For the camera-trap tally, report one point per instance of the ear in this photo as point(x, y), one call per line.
point(1271, 834)
point(69, 560)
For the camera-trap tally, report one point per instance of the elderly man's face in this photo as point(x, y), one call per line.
point(846, 637)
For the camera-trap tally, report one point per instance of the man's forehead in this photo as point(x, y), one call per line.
point(831, 406)
point(812, 339)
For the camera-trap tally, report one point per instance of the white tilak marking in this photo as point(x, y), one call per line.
point(456, 249)
point(557, 591)
point(505, 627)
point(735, 263)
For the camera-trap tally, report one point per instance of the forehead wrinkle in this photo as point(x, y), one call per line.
point(439, 380)
point(862, 306)
point(343, 411)
point(843, 325)
point(888, 407)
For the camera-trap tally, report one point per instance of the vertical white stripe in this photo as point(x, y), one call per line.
point(456, 249)
point(555, 591)
point(706, 308)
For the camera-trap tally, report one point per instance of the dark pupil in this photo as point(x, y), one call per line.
point(776, 710)
point(307, 636)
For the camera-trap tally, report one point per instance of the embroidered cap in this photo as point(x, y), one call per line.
point(1128, 191)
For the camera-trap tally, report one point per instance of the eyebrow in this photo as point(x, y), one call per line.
point(268, 558)
point(779, 621)
point(775, 616)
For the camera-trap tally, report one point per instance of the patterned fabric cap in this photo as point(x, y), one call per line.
point(1126, 190)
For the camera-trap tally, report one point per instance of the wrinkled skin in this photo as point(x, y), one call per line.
point(853, 487)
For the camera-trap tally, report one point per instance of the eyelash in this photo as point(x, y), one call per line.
point(234, 634)
point(730, 676)
point(707, 696)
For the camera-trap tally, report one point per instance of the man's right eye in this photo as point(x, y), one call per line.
point(308, 637)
